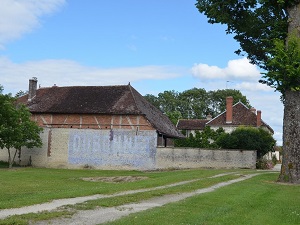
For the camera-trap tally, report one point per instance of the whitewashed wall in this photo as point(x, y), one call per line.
point(123, 149)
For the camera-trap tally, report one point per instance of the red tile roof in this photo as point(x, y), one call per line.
point(241, 115)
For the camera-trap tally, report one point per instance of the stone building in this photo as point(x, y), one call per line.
point(107, 127)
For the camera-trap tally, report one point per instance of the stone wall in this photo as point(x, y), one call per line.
point(123, 149)
point(181, 158)
point(102, 149)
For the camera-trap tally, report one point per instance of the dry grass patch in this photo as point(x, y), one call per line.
point(117, 179)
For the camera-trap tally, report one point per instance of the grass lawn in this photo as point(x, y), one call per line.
point(254, 201)
point(28, 186)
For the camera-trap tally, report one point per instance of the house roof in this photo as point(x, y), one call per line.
point(191, 124)
point(241, 115)
point(122, 99)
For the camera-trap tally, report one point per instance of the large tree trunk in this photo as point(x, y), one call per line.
point(290, 170)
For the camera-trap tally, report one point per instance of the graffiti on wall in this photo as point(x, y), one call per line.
point(112, 148)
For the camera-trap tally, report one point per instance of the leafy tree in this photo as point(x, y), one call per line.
point(16, 128)
point(217, 100)
point(168, 101)
point(195, 103)
point(21, 93)
point(204, 139)
point(268, 32)
point(248, 138)
point(153, 100)
point(174, 116)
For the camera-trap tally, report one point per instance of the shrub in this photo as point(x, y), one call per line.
point(204, 139)
point(264, 164)
point(248, 138)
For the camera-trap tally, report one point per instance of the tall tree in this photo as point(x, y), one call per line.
point(168, 101)
point(193, 103)
point(268, 32)
point(217, 102)
point(17, 130)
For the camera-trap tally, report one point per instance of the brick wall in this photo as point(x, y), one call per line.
point(92, 121)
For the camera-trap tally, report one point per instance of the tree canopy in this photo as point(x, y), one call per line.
point(195, 103)
point(16, 128)
point(261, 27)
point(268, 33)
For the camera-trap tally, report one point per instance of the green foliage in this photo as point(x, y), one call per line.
point(16, 128)
point(262, 29)
point(284, 65)
point(174, 116)
point(204, 139)
point(274, 159)
point(21, 93)
point(217, 100)
point(248, 138)
point(254, 24)
point(195, 103)
point(264, 164)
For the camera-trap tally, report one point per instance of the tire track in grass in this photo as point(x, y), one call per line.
point(103, 215)
point(72, 201)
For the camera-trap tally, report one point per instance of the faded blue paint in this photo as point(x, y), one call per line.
point(113, 148)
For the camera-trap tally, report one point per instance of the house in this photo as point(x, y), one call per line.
point(190, 126)
point(235, 115)
point(107, 127)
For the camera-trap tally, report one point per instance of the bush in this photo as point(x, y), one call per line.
point(274, 159)
point(205, 139)
point(264, 164)
point(248, 138)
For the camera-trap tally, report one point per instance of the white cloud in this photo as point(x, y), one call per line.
point(253, 86)
point(235, 70)
point(69, 73)
point(18, 17)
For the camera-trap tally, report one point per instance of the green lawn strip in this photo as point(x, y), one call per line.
point(254, 201)
point(66, 211)
point(28, 186)
point(34, 217)
point(131, 198)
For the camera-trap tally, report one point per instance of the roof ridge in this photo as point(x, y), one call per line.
point(239, 102)
point(86, 86)
point(133, 96)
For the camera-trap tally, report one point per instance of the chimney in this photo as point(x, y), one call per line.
point(209, 117)
point(258, 118)
point(253, 110)
point(32, 88)
point(229, 103)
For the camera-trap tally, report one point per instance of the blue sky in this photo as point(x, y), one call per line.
point(155, 45)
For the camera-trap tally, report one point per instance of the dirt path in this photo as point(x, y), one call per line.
point(102, 215)
point(72, 201)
